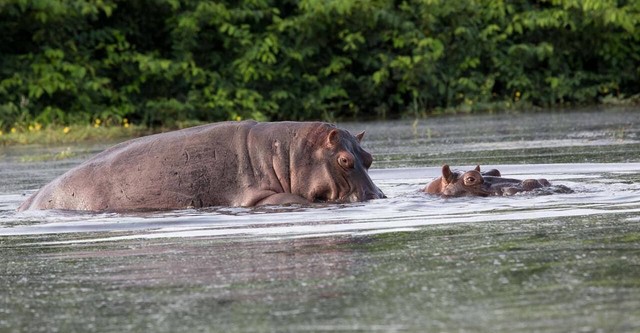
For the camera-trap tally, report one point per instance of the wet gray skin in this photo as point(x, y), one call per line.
point(509, 186)
point(222, 164)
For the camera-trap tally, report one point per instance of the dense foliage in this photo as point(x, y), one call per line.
point(167, 61)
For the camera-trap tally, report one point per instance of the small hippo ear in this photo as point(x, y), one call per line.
point(447, 175)
point(477, 168)
point(359, 136)
point(333, 139)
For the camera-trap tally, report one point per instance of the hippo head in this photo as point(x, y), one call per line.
point(457, 184)
point(337, 171)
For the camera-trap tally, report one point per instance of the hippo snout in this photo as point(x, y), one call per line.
point(364, 195)
point(376, 193)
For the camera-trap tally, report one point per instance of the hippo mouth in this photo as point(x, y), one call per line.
point(345, 189)
point(484, 190)
point(365, 195)
point(351, 196)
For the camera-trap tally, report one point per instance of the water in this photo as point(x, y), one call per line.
point(552, 263)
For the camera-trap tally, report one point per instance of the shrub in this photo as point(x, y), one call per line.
point(165, 62)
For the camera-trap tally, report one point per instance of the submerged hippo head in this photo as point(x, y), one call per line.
point(337, 171)
point(457, 184)
point(476, 183)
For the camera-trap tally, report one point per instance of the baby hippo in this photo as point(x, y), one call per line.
point(477, 183)
point(457, 183)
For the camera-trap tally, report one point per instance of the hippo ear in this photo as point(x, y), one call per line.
point(447, 175)
point(359, 136)
point(477, 168)
point(333, 139)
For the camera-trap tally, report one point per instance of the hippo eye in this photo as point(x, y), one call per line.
point(345, 162)
point(470, 180)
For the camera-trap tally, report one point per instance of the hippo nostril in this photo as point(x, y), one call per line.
point(320, 198)
point(376, 194)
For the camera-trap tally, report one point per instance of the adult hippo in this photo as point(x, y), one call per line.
point(477, 183)
point(223, 164)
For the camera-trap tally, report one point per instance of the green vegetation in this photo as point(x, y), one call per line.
point(164, 62)
point(69, 134)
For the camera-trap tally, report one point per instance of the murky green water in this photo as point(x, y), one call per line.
point(553, 263)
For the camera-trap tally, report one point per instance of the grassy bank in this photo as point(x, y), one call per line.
point(51, 135)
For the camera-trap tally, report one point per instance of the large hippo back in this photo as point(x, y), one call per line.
point(229, 164)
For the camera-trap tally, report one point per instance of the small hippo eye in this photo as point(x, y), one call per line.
point(470, 180)
point(345, 162)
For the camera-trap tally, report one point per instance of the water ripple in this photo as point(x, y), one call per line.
point(600, 189)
